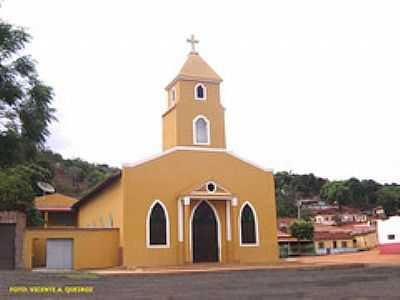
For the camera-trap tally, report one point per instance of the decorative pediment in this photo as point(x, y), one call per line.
point(208, 188)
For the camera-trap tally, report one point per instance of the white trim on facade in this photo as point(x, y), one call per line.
point(194, 133)
point(228, 220)
point(250, 162)
point(188, 148)
point(257, 243)
point(148, 225)
point(204, 92)
point(218, 229)
point(180, 220)
point(234, 201)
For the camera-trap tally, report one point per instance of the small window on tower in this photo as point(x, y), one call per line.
point(200, 92)
point(173, 95)
point(201, 131)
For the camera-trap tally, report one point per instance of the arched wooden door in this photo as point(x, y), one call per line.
point(205, 234)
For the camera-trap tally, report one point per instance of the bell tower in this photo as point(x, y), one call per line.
point(195, 115)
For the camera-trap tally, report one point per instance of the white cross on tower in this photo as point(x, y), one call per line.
point(193, 43)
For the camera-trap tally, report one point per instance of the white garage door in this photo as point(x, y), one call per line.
point(59, 254)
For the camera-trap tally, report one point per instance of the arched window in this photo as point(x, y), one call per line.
point(201, 131)
point(200, 92)
point(157, 226)
point(248, 226)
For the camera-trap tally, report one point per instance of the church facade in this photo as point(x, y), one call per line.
point(196, 201)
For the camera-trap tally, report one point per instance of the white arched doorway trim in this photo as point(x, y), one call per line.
point(218, 227)
point(148, 225)
point(257, 243)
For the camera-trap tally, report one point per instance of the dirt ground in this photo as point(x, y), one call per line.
point(336, 283)
point(365, 275)
point(365, 257)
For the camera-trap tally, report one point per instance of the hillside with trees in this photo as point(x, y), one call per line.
point(362, 194)
point(73, 177)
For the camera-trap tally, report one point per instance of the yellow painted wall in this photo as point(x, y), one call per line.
point(180, 131)
point(92, 248)
point(367, 241)
point(165, 177)
point(169, 129)
point(329, 243)
point(364, 241)
point(39, 252)
point(109, 201)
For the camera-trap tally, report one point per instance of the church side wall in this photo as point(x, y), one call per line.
point(102, 207)
point(166, 177)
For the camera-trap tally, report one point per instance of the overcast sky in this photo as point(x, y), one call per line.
point(309, 86)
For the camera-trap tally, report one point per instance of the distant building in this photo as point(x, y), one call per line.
point(378, 211)
point(341, 239)
point(56, 210)
point(334, 216)
point(290, 246)
point(389, 235)
point(325, 219)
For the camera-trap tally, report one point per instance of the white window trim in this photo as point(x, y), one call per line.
point(204, 90)
point(257, 243)
point(218, 228)
point(195, 130)
point(148, 225)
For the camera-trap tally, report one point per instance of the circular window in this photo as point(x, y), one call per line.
point(211, 187)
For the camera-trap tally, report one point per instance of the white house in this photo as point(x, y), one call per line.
point(389, 235)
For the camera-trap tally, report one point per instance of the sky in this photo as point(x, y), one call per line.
point(309, 86)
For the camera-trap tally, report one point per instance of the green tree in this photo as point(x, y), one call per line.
point(389, 198)
point(25, 114)
point(25, 101)
point(336, 192)
point(302, 230)
point(289, 188)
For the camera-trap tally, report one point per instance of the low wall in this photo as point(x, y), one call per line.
point(92, 247)
point(392, 248)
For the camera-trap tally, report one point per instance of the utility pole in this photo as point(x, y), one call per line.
point(299, 205)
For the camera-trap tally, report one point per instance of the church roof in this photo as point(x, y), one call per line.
point(98, 188)
point(195, 68)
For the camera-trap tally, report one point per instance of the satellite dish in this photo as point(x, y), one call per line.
point(46, 187)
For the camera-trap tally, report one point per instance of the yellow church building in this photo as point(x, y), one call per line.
point(195, 202)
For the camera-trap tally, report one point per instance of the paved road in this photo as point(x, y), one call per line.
point(345, 283)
